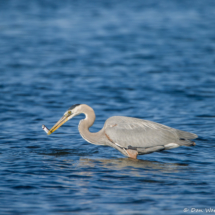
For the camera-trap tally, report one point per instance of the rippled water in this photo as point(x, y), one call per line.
point(148, 59)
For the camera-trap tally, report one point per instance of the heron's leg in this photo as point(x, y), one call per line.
point(132, 153)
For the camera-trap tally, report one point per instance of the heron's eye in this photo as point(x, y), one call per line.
point(69, 112)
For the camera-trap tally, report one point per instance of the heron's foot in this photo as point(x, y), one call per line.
point(132, 153)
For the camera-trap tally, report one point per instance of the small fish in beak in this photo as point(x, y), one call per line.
point(45, 129)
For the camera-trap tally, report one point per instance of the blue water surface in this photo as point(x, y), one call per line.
point(149, 59)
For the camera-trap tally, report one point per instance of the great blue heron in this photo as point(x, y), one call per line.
point(131, 136)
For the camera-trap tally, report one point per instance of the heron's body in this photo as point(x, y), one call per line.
point(131, 136)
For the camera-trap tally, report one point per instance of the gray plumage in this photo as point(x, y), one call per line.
point(131, 136)
point(144, 135)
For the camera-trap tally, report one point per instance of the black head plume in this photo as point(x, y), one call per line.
point(73, 106)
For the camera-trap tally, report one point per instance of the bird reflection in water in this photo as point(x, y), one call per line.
point(121, 163)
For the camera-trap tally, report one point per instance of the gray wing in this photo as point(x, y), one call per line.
point(128, 131)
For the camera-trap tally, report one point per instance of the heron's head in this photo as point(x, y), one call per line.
point(69, 114)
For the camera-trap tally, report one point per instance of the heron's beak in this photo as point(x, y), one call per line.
point(64, 119)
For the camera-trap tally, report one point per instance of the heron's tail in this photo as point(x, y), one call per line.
point(186, 135)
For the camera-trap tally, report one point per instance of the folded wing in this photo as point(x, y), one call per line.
point(128, 131)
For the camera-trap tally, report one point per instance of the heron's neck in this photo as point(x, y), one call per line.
point(86, 123)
